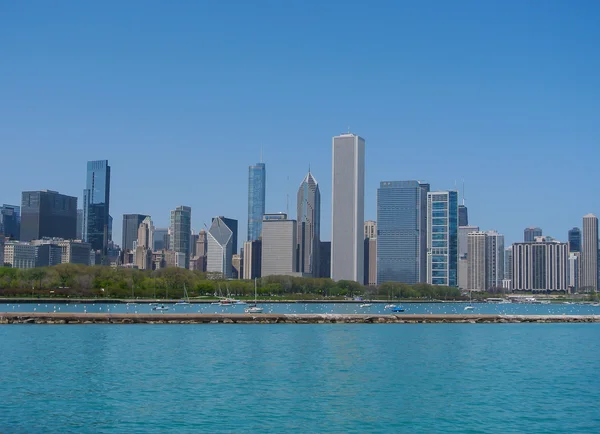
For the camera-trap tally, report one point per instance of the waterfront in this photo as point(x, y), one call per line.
point(311, 378)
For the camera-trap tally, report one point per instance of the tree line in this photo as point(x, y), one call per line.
point(72, 280)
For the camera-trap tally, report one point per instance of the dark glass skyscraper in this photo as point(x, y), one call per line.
point(181, 231)
point(575, 240)
point(48, 213)
point(463, 215)
point(402, 232)
point(131, 223)
point(309, 226)
point(10, 221)
point(529, 234)
point(257, 178)
point(96, 203)
point(232, 224)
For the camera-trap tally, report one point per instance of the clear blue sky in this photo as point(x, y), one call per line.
point(181, 96)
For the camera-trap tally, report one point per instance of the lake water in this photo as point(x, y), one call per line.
point(462, 378)
point(410, 308)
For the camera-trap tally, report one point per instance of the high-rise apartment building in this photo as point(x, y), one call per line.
point(476, 259)
point(463, 250)
point(278, 245)
point(442, 238)
point(96, 204)
point(309, 226)
point(219, 248)
point(49, 214)
point(257, 181)
point(494, 259)
point(348, 208)
point(540, 266)
point(402, 231)
point(508, 263)
point(131, 223)
point(181, 234)
point(575, 240)
point(10, 221)
point(530, 233)
point(589, 254)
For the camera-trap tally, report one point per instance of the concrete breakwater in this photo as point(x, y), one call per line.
point(270, 318)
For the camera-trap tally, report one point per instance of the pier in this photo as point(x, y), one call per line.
point(271, 318)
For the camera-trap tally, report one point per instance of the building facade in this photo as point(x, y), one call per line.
point(370, 229)
point(463, 215)
point(10, 221)
point(574, 271)
point(131, 224)
point(589, 254)
point(252, 259)
point(279, 246)
point(161, 239)
point(540, 266)
point(530, 233)
point(96, 205)
point(325, 258)
point(257, 181)
point(476, 259)
point(49, 214)
point(494, 259)
point(348, 208)
point(442, 238)
point(463, 250)
point(181, 234)
point(219, 249)
point(575, 240)
point(232, 224)
point(402, 231)
point(309, 226)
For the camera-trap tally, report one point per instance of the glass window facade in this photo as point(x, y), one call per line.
point(10, 221)
point(442, 238)
point(401, 231)
point(256, 200)
point(96, 204)
point(48, 214)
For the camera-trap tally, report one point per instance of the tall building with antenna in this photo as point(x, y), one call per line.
point(309, 225)
point(463, 214)
point(257, 178)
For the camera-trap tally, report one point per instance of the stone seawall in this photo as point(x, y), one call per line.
point(269, 318)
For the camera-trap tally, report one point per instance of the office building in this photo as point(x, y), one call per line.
point(252, 259)
point(442, 238)
point(232, 224)
point(370, 262)
point(348, 208)
point(181, 234)
point(588, 281)
point(463, 250)
point(71, 251)
point(575, 240)
point(309, 226)
point(237, 265)
point(49, 214)
point(79, 229)
point(201, 243)
point(96, 205)
point(279, 245)
point(463, 215)
point(131, 224)
point(508, 263)
point(370, 229)
point(494, 259)
point(10, 221)
point(257, 181)
point(161, 239)
point(574, 271)
point(530, 233)
point(476, 259)
point(402, 231)
point(145, 233)
point(23, 255)
point(325, 259)
point(219, 249)
point(540, 266)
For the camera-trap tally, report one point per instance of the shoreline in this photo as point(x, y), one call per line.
point(269, 318)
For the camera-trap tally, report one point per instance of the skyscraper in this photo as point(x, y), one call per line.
point(278, 245)
point(48, 213)
point(442, 238)
point(463, 253)
point(181, 233)
point(529, 234)
point(589, 254)
point(309, 226)
point(161, 236)
point(508, 263)
point(370, 229)
point(131, 223)
point(232, 224)
point(220, 248)
point(96, 204)
point(540, 266)
point(257, 177)
point(575, 240)
point(463, 215)
point(79, 230)
point(476, 259)
point(494, 259)
point(348, 208)
point(402, 231)
point(10, 221)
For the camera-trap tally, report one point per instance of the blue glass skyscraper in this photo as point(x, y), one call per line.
point(402, 231)
point(96, 202)
point(257, 178)
point(442, 238)
point(575, 240)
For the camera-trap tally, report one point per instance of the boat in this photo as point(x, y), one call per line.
point(398, 309)
point(186, 298)
point(366, 305)
point(469, 306)
point(390, 306)
point(162, 307)
point(254, 308)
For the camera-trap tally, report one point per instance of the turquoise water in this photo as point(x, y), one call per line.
point(463, 378)
point(375, 308)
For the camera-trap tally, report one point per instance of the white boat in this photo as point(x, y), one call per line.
point(390, 306)
point(186, 298)
point(254, 308)
point(366, 305)
point(469, 307)
point(162, 307)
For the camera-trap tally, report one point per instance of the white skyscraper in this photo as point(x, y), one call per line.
point(348, 208)
point(220, 248)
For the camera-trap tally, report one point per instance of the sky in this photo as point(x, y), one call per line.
point(181, 97)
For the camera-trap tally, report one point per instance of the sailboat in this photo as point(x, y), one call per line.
point(253, 308)
point(186, 298)
point(469, 306)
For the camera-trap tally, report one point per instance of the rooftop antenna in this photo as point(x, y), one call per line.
point(261, 153)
